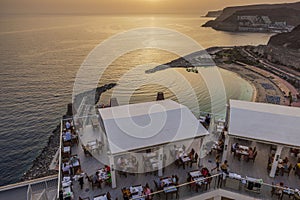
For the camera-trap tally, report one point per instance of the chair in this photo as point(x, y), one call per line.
point(275, 192)
point(90, 180)
point(195, 160)
point(84, 198)
point(273, 148)
point(108, 196)
point(86, 152)
point(208, 180)
point(151, 196)
point(254, 149)
point(254, 156)
point(232, 150)
point(100, 195)
point(157, 188)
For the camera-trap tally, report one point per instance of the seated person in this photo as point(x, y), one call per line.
point(207, 119)
point(74, 159)
point(158, 181)
point(107, 168)
point(108, 196)
point(147, 191)
point(126, 194)
point(286, 160)
point(220, 146)
point(279, 189)
point(95, 178)
point(108, 180)
point(250, 153)
point(68, 136)
point(295, 152)
point(68, 125)
point(235, 146)
point(298, 163)
point(162, 183)
point(204, 171)
point(66, 168)
point(191, 155)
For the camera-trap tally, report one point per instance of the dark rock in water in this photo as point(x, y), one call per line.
point(40, 166)
point(92, 96)
point(216, 13)
point(195, 59)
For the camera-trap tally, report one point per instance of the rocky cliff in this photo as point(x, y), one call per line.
point(228, 20)
point(216, 13)
point(285, 48)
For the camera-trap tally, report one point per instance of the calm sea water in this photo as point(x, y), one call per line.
point(39, 59)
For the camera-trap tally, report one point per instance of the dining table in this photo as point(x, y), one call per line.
point(136, 192)
point(100, 197)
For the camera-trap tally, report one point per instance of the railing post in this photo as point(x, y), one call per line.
point(59, 158)
point(29, 192)
point(46, 185)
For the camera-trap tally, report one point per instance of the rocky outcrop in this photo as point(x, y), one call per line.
point(216, 13)
point(40, 166)
point(284, 48)
point(228, 20)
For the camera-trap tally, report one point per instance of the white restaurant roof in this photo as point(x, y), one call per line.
point(143, 125)
point(268, 123)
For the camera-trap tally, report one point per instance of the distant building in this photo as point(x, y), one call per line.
point(257, 23)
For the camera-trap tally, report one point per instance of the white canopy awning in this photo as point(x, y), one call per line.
point(136, 126)
point(267, 123)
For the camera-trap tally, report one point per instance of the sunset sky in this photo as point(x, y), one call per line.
point(123, 6)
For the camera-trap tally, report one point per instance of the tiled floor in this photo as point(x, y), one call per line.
point(258, 169)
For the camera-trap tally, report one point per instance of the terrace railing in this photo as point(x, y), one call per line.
point(230, 187)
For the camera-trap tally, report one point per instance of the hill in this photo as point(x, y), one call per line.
point(258, 18)
point(284, 48)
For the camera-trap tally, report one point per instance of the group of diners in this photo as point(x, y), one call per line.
point(183, 158)
point(283, 166)
point(137, 192)
point(168, 185)
point(102, 175)
point(199, 179)
point(242, 151)
point(70, 165)
point(281, 190)
point(69, 134)
point(71, 170)
point(218, 146)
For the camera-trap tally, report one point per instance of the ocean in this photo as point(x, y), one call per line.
point(40, 56)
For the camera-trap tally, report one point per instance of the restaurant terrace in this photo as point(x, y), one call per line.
point(155, 150)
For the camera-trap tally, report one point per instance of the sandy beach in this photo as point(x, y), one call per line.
point(263, 82)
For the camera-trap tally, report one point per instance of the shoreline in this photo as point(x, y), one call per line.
point(45, 164)
point(257, 81)
point(254, 76)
